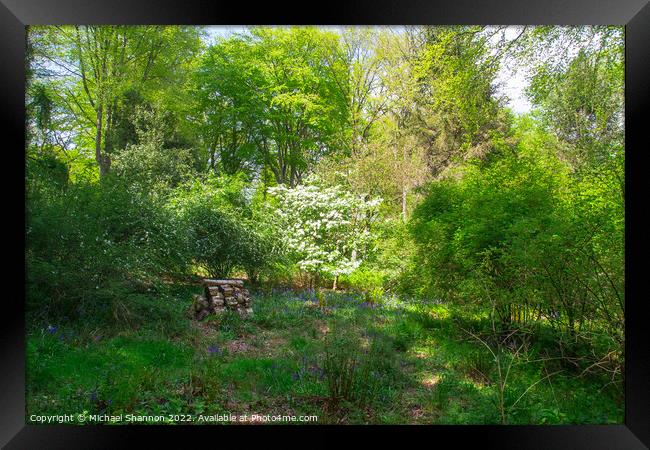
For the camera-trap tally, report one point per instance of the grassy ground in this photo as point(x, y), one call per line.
point(346, 362)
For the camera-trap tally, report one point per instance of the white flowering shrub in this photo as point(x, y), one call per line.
point(327, 229)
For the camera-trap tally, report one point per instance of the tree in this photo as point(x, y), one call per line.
point(583, 104)
point(437, 107)
point(386, 159)
point(91, 68)
point(326, 228)
point(357, 64)
point(150, 164)
point(270, 102)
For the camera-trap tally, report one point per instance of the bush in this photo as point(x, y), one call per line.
point(219, 231)
point(86, 235)
point(523, 238)
point(150, 164)
point(364, 279)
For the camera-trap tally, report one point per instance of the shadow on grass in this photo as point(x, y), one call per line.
point(415, 365)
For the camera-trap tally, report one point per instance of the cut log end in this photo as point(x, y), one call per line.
point(220, 296)
point(213, 282)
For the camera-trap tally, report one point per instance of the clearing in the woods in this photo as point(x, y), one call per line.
point(415, 246)
point(406, 362)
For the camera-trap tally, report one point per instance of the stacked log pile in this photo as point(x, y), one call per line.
point(221, 295)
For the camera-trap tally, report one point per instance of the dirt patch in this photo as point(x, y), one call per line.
point(206, 328)
point(431, 381)
point(270, 344)
point(322, 327)
point(417, 413)
point(420, 355)
point(239, 346)
point(274, 342)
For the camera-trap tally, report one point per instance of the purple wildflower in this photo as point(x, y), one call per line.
point(51, 329)
point(317, 371)
point(213, 349)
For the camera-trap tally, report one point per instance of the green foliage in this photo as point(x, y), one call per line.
point(455, 69)
point(270, 99)
point(583, 104)
point(518, 238)
point(487, 286)
point(82, 238)
point(365, 279)
point(219, 229)
point(93, 100)
point(149, 164)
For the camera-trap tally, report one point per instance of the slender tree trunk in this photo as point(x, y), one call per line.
point(102, 160)
point(336, 281)
point(404, 202)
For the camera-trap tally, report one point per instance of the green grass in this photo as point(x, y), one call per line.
point(347, 363)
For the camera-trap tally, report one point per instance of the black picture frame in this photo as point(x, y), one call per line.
point(634, 14)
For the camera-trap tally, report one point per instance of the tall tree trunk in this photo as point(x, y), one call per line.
point(404, 202)
point(101, 159)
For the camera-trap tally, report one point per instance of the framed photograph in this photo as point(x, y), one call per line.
point(379, 218)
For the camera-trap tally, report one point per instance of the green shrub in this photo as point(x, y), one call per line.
point(523, 238)
point(218, 226)
point(403, 332)
point(363, 279)
point(84, 240)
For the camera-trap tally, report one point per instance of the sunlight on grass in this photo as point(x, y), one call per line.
point(437, 376)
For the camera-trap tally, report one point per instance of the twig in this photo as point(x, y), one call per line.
point(531, 386)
